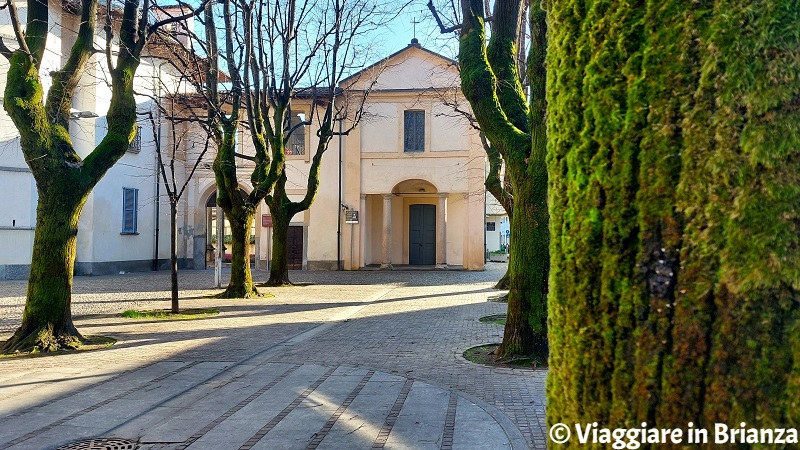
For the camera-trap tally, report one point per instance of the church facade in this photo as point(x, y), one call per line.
point(404, 187)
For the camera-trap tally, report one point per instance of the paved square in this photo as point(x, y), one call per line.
point(354, 360)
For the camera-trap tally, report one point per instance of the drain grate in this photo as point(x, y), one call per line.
point(101, 444)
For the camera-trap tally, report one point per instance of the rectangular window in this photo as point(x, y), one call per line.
point(414, 131)
point(490, 226)
point(130, 203)
point(136, 145)
point(296, 145)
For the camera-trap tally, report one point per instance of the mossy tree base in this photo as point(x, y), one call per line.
point(504, 283)
point(86, 343)
point(239, 292)
point(43, 339)
point(487, 355)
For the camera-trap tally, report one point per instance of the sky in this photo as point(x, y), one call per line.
point(397, 34)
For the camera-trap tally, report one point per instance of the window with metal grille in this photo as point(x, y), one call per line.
point(296, 145)
point(414, 131)
point(130, 202)
point(490, 226)
point(136, 145)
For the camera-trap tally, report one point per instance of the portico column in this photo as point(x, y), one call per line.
point(387, 232)
point(441, 232)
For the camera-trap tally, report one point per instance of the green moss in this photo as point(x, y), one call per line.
point(673, 187)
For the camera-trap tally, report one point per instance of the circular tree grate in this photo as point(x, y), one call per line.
point(101, 444)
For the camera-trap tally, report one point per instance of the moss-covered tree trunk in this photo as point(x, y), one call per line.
point(63, 179)
point(491, 83)
point(224, 120)
point(47, 318)
point(283, 209)
point(279, 264)
point(528, 268)
point(241, 283)
point(673, 160)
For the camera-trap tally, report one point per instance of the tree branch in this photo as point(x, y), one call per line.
point(493, 183)
point(4, 50)
point(195, 12)
point(243, 156)
point(442, 28)
point(479, 85)
point(18, 33)
point(65, 80)
point(502, 54)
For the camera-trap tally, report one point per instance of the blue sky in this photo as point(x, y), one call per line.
point(397, 34)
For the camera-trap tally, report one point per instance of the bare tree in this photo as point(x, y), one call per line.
point(277, 55)
point(186, 150)
point(291, 65)
point(64, 179)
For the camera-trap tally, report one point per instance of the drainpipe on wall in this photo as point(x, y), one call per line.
point(485, 249)
point(339, 208)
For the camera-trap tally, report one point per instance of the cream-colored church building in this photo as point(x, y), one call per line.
point(412, 171)
point(405, 187)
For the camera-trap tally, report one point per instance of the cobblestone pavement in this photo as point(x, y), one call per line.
point(350, 341)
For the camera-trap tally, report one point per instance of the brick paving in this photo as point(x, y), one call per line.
point(401, 328)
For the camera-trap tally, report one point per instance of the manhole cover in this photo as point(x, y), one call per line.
point(101, 444)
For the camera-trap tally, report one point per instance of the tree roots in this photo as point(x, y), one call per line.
point(239, 292)
point(42, 339)
point(504, 283)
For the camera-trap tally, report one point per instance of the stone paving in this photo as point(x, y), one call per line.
point(353, 360)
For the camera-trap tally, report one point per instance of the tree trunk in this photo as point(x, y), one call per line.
point(241, 283)
point(491, 83)
point(526, 321)
point(173, 252)
point(279, 266)
point(673, 161)
point(47, 318)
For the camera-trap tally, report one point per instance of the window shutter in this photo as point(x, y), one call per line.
point(130, 199)
point(299, 136)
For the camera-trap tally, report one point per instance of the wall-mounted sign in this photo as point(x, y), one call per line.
point(266, 220)
point(351, 216)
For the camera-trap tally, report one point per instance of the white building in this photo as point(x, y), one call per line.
point(498, 227)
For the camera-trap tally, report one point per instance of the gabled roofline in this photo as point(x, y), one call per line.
point(414, 44)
